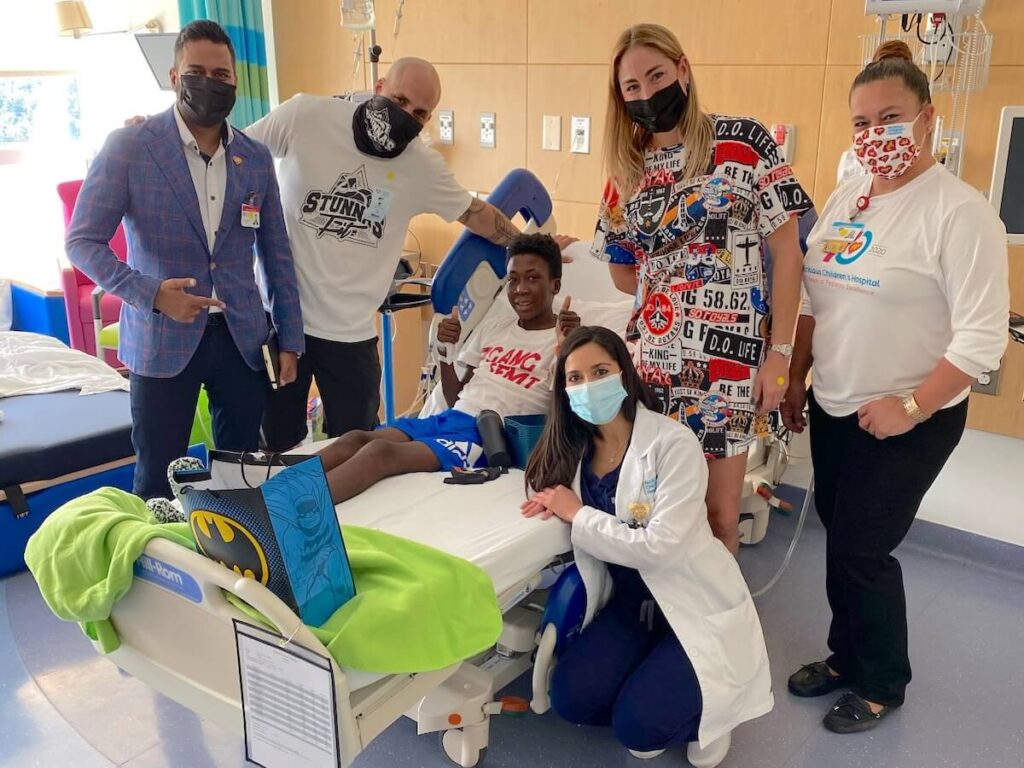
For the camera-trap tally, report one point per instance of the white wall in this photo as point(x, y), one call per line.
point(981, 489)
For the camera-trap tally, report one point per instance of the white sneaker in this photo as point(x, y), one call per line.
point(646, 755)
point(710, 756)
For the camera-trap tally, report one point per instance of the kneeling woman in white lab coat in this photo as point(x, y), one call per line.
point(671, 651)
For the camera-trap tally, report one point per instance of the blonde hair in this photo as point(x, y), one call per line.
point(625, 141)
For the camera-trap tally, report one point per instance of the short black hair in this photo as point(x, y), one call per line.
point(542, 246)
point(202, 29)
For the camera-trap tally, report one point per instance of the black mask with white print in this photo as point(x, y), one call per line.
point(383, 129)
point(205, 101)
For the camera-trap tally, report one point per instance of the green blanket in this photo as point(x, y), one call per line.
point(416, 608)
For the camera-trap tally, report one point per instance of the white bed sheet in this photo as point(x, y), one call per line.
point(479, 523)
point(33, 364)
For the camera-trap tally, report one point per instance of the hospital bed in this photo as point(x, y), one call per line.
point(175, 623)
point(55, 446)
point(481, 524)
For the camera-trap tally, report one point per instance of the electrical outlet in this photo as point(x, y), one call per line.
point(488, 130)
point(552, 134)
point(938, 52)
point(987, 383)
point(579, 142)
point(446, 126)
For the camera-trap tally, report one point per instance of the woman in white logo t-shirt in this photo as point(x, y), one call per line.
point(906, 273)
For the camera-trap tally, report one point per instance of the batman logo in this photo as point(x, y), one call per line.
point(225, 540)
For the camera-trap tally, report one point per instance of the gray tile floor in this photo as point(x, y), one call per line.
point(61, 704)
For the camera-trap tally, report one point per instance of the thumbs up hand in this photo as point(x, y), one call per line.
point(449, 331)
point(566, 322)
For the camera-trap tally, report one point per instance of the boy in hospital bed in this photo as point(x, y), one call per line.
point(508, 362)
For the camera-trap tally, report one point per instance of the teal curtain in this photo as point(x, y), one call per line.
point(243, 21)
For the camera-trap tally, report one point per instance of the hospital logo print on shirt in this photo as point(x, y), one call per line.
point(848, 242)
point(342, 211)
point(850, 259)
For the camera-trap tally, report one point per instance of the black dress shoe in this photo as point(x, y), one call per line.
point(852, 714)
point(814, 680)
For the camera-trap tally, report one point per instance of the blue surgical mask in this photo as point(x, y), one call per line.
point(597, 402)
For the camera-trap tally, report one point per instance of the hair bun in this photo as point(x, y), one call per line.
point(893, 49)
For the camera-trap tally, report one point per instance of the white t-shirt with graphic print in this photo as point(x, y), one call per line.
point(919, 276)
point(347, 213)
point(513, 368)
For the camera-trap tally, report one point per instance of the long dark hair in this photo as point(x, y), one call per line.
point(566, 436)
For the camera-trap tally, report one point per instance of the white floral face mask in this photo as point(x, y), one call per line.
point(887, 151)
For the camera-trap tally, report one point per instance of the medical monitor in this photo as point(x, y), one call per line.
point(1007, 192)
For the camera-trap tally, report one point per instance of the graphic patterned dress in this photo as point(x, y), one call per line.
point(699, 329)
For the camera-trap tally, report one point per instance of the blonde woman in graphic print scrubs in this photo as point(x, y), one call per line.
point(690, 202)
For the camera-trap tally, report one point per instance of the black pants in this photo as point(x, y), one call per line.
point(867, 493)
point(348, 377)
point(163, 409)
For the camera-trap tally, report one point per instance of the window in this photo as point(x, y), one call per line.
point(40, 146)
point(24, 105)
point(59, 100)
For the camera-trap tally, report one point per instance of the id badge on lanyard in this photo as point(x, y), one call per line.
point(250, 212)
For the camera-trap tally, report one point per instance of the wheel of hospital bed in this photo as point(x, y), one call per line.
point(452, 744)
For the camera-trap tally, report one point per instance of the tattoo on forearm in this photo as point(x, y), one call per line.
point(475, 206)
point(504, 230)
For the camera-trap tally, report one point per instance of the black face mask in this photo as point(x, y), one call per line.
point(204, 101)
point(383, 129)
point(662, 112)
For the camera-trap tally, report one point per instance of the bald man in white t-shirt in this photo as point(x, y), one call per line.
point(352, 176)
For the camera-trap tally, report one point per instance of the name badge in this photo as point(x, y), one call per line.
point(380, 204)
point(841, 235)
point(250, 216)
point(640, 511)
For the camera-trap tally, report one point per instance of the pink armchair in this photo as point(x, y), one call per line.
point(78, 288)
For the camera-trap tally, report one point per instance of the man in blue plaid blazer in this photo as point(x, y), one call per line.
point(195, 197)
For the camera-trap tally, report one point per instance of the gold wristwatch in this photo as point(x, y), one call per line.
point(914, 410)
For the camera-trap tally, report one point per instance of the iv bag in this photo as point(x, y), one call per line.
point(357, 14)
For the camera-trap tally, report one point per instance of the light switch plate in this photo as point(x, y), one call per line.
point(488, 130)
point(551, 139)
point(579, 136)
point(446, 126)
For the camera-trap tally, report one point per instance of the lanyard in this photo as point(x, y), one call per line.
point(863, 202)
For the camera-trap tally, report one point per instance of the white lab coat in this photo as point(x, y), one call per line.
point(692, 576)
